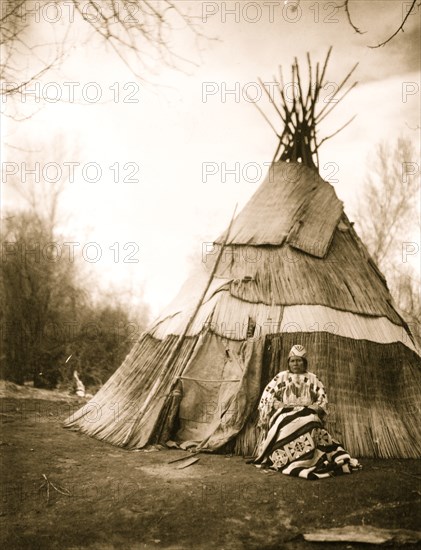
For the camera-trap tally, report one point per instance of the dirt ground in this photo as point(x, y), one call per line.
point(64, 490)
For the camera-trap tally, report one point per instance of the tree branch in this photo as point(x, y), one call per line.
point(356, 29)
point(400, 28)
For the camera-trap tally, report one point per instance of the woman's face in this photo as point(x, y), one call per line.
point(296, 365)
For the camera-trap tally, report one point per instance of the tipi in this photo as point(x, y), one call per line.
point(290, 269)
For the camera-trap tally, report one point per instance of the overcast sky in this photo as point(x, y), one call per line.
point(173, 128)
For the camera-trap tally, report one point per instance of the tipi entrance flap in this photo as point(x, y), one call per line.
point(220, 388)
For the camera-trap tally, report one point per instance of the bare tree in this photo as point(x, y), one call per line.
point(388, 208)
point(412, 8)
point(39, 286)
point(47, 310)
point(138, 31)
point(38, 292)
point(388, 217)
point(38, 194)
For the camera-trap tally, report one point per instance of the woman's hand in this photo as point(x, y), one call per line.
point(277, 404)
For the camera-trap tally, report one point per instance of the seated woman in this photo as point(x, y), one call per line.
point(293, 440)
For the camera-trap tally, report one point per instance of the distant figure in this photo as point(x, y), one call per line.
point(78, 385)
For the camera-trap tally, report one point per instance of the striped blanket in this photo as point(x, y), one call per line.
point(296, 444)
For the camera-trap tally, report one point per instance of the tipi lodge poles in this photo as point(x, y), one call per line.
point(298, 141)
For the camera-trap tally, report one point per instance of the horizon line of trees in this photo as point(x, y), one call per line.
point(50, 324)
point(52, 318)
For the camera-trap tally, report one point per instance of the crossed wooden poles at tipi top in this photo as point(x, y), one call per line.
point(298, 140)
